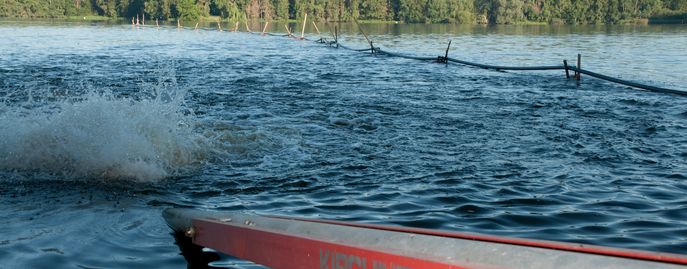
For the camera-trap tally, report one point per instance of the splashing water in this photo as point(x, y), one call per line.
point(98, 135)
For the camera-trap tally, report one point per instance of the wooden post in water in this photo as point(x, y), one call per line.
point(336, 36)
point(287, 30)
point(157, 24)
point(265, 28)
point(565, 65)
point(219, 26)
point(305, 20)
point(178, 24)
point(372, 48)
point(236, 28)
point(315, 24)
point(333, 33)
point(137, 21)
point(245, 15)
point(578, 76)
point(144, 19)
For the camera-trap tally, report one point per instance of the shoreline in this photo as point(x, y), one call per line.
point(668, 19)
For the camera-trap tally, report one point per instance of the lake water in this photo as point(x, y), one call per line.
point(104, 126)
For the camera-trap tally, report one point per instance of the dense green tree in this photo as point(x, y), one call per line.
point(298, 8)
point(354, 8)
point(506, 11)
point(281, 9)
point(374, 10)
point(317, 11)
point(155, 9)
point(437, 11)
point(227, 9)
point(187, 10)
point(461, 11)
point(451, 11)
point(203, 7)
point(680, 5)
point(333, 10)
point(45, 9)
point(411, 10)
point(252, 9)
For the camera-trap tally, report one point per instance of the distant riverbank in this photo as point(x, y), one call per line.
point(577, 12)
point(655, 20)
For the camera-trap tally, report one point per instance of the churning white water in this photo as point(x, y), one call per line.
point(98, 135)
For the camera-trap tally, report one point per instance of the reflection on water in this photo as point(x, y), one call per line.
point(264, 124)
point(194, 254)
point(203, 258)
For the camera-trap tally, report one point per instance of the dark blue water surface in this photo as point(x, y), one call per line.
point(104, 126)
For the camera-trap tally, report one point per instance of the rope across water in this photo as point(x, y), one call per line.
point(524, 68)
point(378, 50)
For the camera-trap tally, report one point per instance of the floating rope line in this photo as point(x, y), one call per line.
point(445, 59)
point(441, 59)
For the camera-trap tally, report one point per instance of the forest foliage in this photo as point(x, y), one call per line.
point(411, 11)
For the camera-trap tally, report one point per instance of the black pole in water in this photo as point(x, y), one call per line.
point(579, 68)
point(445, 58)
point(565, 65)
point(447, 48)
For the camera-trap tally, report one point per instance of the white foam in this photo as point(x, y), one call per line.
point(101, 136)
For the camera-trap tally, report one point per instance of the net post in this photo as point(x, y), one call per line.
point(444, 59)
point(316, 29)
point(286, 26)
point(447, 48)
point(578, 75)
point(305, 20)
point(565, 65)
point(372, 47)
point(265, 28)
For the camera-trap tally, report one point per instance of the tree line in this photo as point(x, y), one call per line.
point(411, 11)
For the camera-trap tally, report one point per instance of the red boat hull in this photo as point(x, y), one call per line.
point(289, 243)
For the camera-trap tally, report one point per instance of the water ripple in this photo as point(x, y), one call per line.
point(294, 128)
